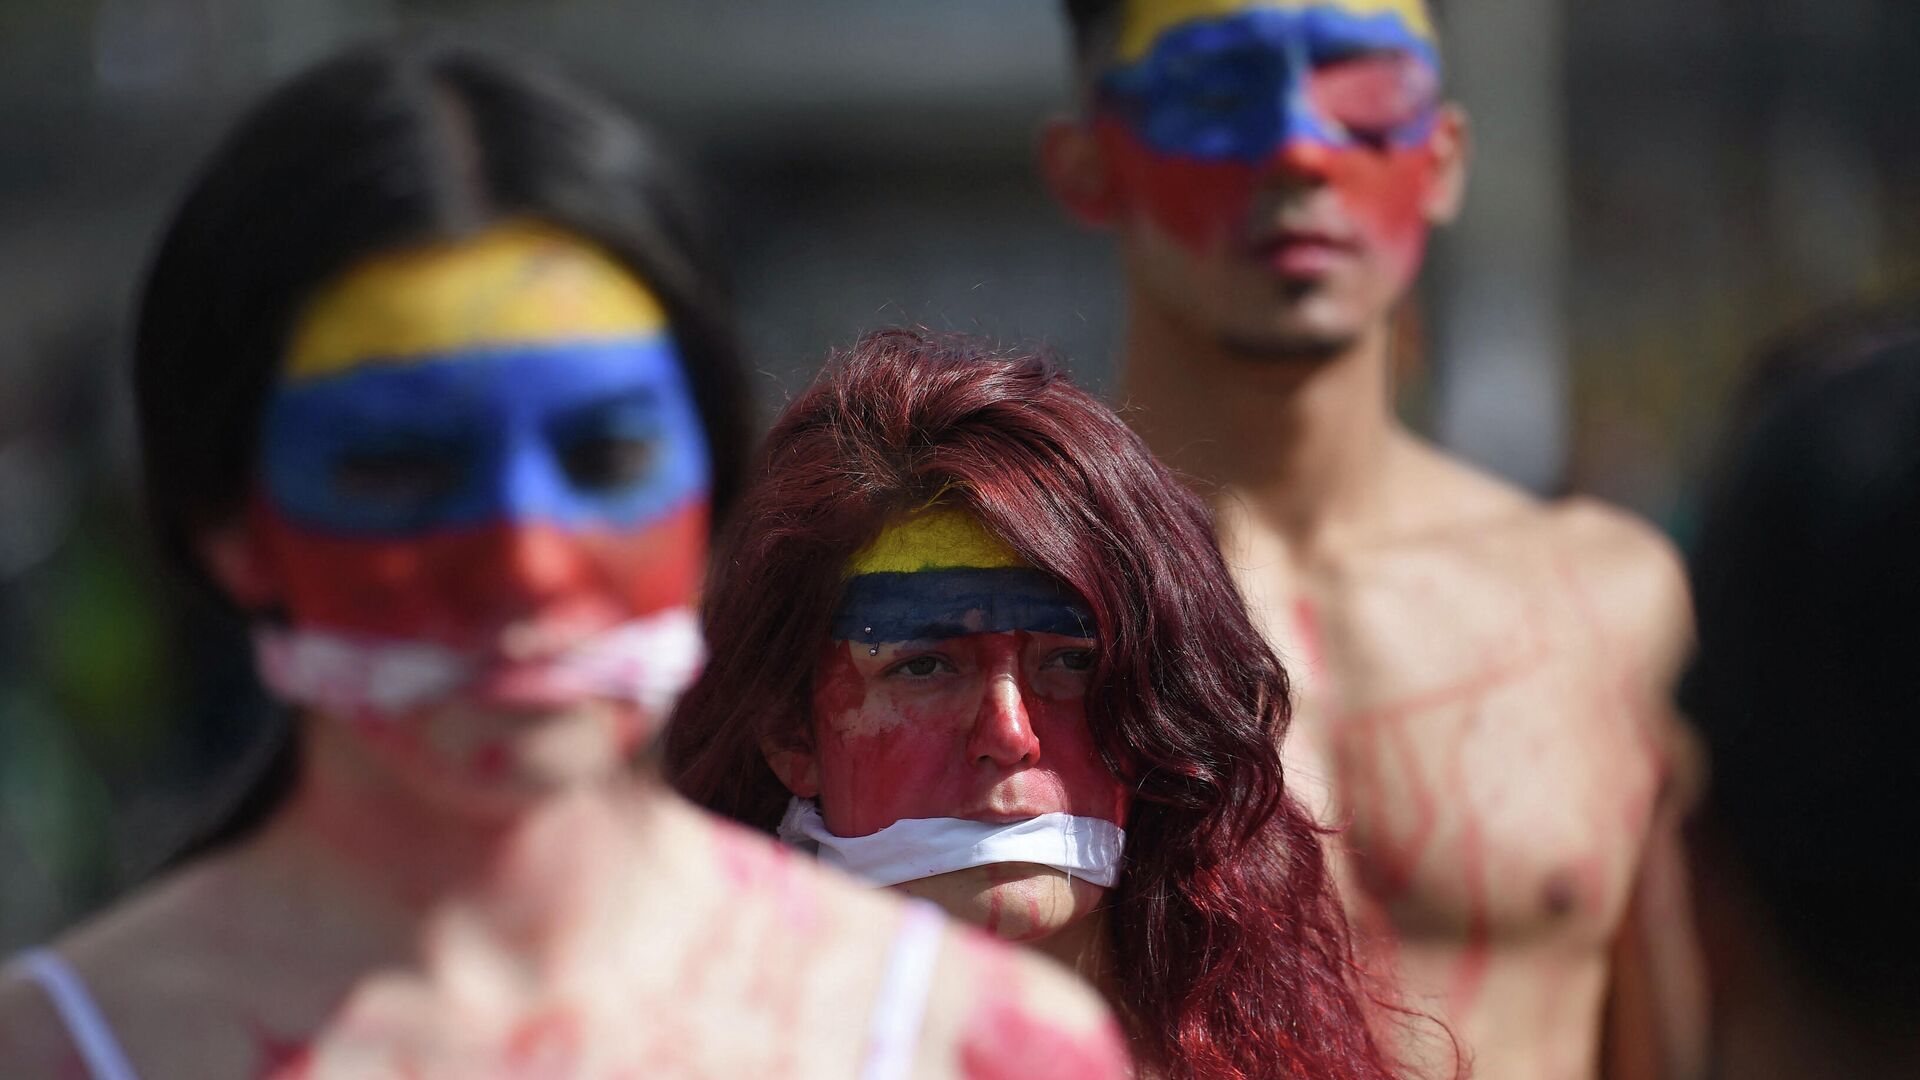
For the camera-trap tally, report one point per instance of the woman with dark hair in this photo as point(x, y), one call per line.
point(435, 390)
point(972, 641)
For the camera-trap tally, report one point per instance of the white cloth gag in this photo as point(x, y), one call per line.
point(916, 848)
point(647, 661)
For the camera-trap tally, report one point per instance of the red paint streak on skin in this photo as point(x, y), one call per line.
point(1386, 763)
point(543, 1046)
point(838, 686)
point(276, 1058)
point(461, 588)
point(1471, 972)
point(1306, 620)
point(633, 728)
point(994, 906)
point(960, 745)
point(751, 865)
point(491, 761)
point(1209, 204)
point(1005, 1042)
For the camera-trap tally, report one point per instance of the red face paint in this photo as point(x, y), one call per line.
point(985, 727)
point(461, 589)
point(1364, 203)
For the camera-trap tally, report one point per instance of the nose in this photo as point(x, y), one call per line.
point(1302, 148)
point(1002, 731)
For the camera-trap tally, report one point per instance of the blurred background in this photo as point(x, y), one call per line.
point(1660, 185)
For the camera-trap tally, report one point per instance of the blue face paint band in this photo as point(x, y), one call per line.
point(1236, 88)
point(934, 605)
point(581, 434)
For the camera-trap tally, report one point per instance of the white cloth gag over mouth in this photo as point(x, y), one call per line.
point(647, 661)
point(915, 848)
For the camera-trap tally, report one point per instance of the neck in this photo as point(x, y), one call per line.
point(1297, 441)
point(1086, 948)
point(528, 881)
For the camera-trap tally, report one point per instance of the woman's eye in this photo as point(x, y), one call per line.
point(1216, 101)
point(919, 667)
point(608, 462)
point(395, 477)
point(1072, 659)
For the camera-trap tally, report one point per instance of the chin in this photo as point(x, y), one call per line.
point(1012, 901)
point(487, 760)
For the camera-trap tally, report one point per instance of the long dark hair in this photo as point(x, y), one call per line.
point(386, 145)
point(1233, 950)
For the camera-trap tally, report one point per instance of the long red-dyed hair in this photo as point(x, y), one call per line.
point(1233, 953)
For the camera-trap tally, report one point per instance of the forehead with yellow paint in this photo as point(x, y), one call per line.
point(941, 573)
point(942, 538)
point(1144, 21)
point(520, 283)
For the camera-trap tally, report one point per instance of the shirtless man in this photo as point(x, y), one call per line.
point(1475, 670)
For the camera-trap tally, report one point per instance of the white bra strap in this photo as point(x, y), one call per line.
point(85, 1026)
point(894, 1031)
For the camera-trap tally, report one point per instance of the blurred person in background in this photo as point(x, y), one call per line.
point(436, 388)
point(1804, 691)
point(972, 642)
point(1479, 672)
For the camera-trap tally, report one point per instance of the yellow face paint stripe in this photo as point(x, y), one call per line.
point(944, 538)
point(516, 283)
point(1146, 20)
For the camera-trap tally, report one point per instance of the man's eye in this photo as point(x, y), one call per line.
point(395, 477)
point(919, 667)
point(608, 462)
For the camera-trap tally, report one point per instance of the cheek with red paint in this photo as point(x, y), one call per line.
point(1208, 205)
point(461, 587)
point(891, 748)
point(1202, 204)
point(1384, 193)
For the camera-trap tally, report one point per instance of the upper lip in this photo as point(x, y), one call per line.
point(1307, 234)
point(997, 816)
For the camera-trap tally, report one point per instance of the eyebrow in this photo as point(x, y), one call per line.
point(933, 605)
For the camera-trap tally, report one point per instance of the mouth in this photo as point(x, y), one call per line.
point(1305, 254)
point(528, 685)
point(1013, 816)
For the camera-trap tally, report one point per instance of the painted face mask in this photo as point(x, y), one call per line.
point(1205, 99)
point(950, 715)
point(483, 476)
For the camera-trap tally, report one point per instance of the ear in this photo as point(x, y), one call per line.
point(797, 767)
point(1075, 168)
point(237, 562)
point(1452, 145)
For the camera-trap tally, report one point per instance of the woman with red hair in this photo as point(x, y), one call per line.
point(970, 640)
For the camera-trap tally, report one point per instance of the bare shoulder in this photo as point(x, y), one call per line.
point(1630, 574)
point(1001, 1012)
point(848, 954)
point(133, 960)
point(1622, 568)
point(33, 1042)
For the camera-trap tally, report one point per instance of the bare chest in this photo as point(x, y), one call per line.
point(1483, 742)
